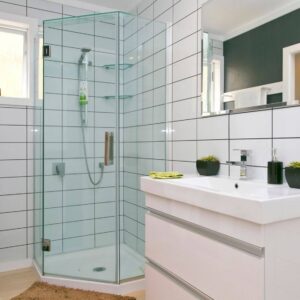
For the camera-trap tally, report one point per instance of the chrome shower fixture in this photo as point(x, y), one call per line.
point(83, 58)
point(83, 67)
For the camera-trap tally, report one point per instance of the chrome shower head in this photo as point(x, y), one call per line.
point(83, 56)
point(85, 50)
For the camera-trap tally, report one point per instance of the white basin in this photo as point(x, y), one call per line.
point(251, 190)
point(254, 201)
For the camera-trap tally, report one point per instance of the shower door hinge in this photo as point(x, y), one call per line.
point(46, 245)
point(47, 51)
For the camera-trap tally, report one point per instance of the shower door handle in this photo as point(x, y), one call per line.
point(109, 148)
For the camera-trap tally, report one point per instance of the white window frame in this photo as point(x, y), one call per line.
point(217, 82)
point(31, 27)
point(289, 74)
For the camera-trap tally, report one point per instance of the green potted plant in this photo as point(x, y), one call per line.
point(292, 174)
point(208, 165)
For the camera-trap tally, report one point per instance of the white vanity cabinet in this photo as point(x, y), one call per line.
point(210, 266)
point(196, 253)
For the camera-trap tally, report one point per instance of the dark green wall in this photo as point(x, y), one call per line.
point(255, 57)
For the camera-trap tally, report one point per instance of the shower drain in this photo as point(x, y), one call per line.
point(99, 269)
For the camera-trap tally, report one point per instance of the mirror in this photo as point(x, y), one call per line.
point(250, 54)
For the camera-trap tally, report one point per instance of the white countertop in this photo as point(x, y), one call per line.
point(249, 200)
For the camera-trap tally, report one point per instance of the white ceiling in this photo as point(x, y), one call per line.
point(123, 5)
point(228, 18)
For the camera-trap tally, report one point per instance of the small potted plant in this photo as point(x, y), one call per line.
point(208, 165)
point(292, 174)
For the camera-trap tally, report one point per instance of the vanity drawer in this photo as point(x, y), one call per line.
point(216, 269)
point(161, 287)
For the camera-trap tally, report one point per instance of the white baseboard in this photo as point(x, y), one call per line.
point(15, 265)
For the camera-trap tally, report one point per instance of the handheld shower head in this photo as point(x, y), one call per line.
point(84, 55)
point(85, 50)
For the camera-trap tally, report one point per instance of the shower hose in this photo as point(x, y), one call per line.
point(101, 165)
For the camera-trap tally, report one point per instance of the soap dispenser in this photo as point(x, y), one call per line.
point(275, 170)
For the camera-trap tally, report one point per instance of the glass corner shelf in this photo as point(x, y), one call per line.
point(121, 66)
point(122, 97)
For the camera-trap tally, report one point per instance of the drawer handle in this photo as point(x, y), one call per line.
point(219, 237)
point(182, 283)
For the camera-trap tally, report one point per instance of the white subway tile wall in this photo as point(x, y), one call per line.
point(16, 190)
point(144, 116)
point(176, 83)
point(189, 136)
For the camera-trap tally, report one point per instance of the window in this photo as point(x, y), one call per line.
point(13, 63)
point(17, 54)
point(216, 82)
point(212, 77)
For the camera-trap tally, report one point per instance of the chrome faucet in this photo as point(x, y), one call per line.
point(242, 163)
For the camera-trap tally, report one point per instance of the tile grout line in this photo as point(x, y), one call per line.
point(172, 97)
point(62, 132)
point(198, 98)
point(26, 112)
point(94, 119)
point(229, 145)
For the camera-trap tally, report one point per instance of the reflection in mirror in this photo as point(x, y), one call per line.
point(212, 70)
point(297, 76)
point(248, 54)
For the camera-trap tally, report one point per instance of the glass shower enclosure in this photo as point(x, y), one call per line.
point(97, 130)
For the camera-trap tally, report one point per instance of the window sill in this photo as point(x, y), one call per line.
point(14, 101)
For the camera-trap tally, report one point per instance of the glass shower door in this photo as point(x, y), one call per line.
point(104, 93)
point(80, 153)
